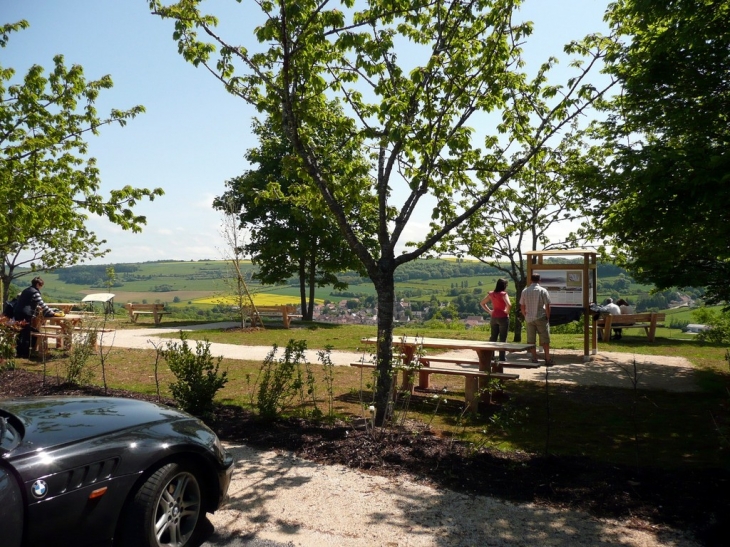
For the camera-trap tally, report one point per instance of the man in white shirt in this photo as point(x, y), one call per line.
point(613, 309)
point(535, 307)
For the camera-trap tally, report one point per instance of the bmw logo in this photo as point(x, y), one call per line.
point(39, 489)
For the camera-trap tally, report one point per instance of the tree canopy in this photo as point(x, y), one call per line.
point(291, 233)
point(48, 185)
point(660, 182)
point(410, 76)
point(519, 217)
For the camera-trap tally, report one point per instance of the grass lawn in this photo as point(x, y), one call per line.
point(653, 428)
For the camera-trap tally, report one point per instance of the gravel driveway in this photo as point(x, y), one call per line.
point(278, 499)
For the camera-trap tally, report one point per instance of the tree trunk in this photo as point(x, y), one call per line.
point(385, 288)
point(303, 286)
point(6, 277)
point(314, 247)
point(520, 286)
point(309, 313)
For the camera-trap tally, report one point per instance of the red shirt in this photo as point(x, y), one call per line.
point(499, 303)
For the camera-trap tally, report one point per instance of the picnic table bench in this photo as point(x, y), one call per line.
point(497, 366)
point(156, 310)
point(471, 379)
point(286, 312)
point(58, 329)
point(647, 321)
point(476, 381)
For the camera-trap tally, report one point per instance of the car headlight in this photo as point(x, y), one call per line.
point(220, 452)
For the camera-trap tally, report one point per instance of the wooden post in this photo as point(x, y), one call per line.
point(652, 327)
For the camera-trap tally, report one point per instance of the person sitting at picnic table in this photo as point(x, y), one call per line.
point(29, 305)
point(499, 320)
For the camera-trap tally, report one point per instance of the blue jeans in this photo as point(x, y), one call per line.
point(500, 326)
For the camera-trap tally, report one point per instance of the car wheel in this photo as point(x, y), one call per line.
point(166, 509)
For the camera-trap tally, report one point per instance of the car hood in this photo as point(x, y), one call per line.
point(53, 421)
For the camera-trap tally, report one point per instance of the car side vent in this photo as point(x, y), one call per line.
point(90, 474)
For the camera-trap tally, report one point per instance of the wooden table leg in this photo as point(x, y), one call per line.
point(486, 357)
point(406, 380)
point(471, 388)
point(409, 353)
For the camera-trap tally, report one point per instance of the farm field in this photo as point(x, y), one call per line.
point(203, 285)
point(205, 282)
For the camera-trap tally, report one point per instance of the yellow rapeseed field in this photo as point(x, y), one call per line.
point(259, 299)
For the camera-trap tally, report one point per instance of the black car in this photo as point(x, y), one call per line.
point(106, 471)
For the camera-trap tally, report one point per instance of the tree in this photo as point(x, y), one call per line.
point(518, 219)
point(660, 183)
point(47, 186)
point(235, 240)
point(409, 75)
point(290, 235)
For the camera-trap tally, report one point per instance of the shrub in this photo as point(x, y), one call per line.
point(573, 327)
point(280, 379)
point(680, 324)
point(8, 335)
point(719, 323)
point(81, 350)
point(198, 377)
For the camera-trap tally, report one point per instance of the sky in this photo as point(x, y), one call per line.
point(194, 134)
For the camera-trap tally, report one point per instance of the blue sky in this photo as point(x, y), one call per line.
point(194, 135)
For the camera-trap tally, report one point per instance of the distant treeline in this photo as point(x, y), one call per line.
point(416, 270)
point(93, 276)
point(96, 276)
point(446, 269)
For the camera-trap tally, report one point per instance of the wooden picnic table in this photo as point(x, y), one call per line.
point(65, 307)
point(58, 328)
point(485, 350)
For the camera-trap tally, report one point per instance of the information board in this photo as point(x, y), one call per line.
point(565, 287)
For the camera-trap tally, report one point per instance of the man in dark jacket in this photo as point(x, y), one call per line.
point(29, 305)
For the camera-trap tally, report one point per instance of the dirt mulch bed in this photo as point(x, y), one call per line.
point(645, 498)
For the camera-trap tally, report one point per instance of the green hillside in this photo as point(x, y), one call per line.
point(187, 281)
point(181, 283)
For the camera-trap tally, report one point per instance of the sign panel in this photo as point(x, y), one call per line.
point(565, 286)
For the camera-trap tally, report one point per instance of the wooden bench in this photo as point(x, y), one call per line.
point(499, 366)
point(39, 342)
point(156, 310)
point(286, 313)
point(471, 379)
point(647, 321)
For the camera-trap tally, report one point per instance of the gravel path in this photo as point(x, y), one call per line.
point(147, 338)
point(606, 368)
point(280, 500)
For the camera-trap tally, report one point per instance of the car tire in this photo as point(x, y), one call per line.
point(166, 510)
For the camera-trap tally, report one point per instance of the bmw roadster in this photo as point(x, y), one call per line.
point(106, 471)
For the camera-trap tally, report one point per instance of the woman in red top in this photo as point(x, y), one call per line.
point(499, 312)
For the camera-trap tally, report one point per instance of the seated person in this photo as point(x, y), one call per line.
point(29, 305)
point(626, 309)
point(608, 308)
